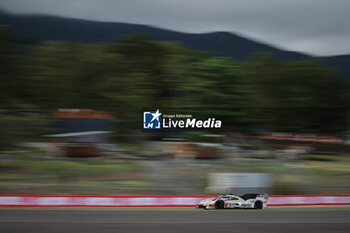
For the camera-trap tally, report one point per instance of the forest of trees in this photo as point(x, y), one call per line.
point(127, 76)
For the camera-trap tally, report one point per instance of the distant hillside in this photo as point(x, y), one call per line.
point(340, 64)
point(217, 43)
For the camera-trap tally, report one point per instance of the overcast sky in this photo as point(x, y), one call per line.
point(319, 27)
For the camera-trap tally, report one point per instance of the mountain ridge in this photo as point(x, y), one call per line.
point(220, 43)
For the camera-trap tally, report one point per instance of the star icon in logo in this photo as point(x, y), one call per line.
point(156, 115)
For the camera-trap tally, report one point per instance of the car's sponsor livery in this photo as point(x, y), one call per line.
point(231, 201)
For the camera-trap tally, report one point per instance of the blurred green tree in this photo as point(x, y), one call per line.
point(296, 96)
point(135, 74)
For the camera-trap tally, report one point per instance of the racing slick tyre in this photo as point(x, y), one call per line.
point(258, 205)
point(220, 204)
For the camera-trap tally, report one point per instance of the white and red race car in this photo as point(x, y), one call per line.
point(231, 201)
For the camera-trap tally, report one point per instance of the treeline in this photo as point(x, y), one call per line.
point(135, 73)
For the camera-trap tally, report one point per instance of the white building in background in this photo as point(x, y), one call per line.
point(239, 182)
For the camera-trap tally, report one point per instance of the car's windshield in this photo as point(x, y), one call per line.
point(216, 198)
point(225, 197)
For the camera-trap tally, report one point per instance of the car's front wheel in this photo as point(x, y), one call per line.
point(220, 204)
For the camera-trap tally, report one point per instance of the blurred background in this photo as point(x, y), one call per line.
point(72, 92)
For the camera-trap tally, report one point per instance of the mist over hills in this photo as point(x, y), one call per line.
point(45, 27)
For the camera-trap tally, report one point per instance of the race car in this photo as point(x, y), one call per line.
point(231, 201)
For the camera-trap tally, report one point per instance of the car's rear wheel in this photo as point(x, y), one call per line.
point(258, 205)
point(220, 204)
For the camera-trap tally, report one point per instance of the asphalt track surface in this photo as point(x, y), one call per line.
point(179, 220)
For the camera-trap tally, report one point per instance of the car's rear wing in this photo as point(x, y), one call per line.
point(263, 197)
